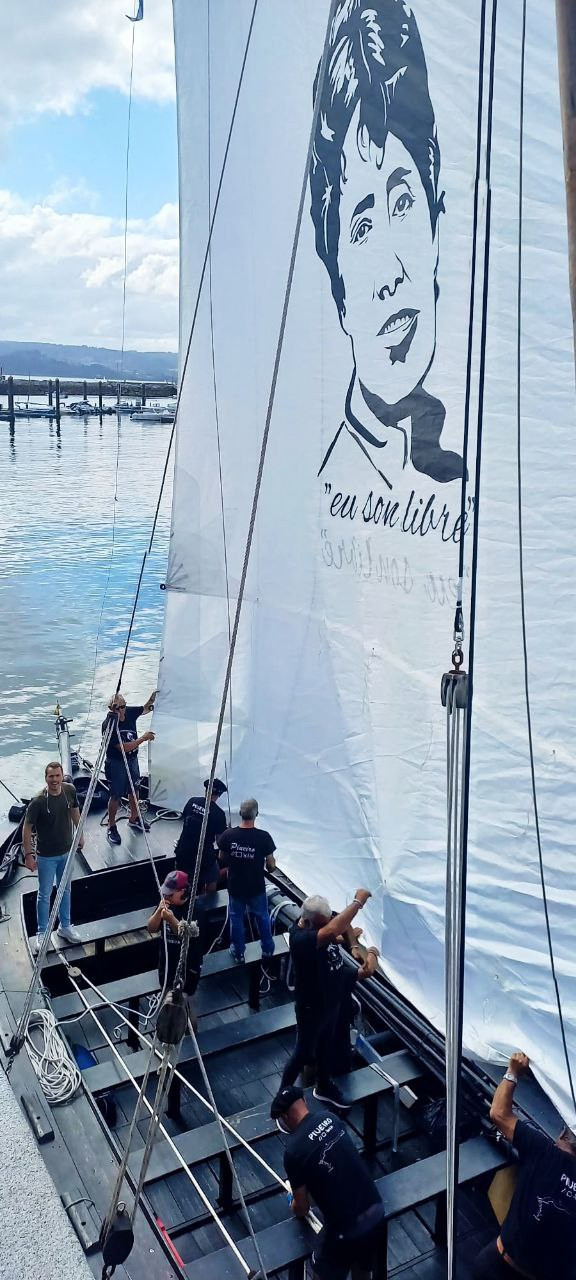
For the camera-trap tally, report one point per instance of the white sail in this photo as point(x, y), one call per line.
point(336, 722)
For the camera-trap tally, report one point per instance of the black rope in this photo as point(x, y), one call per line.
point(190, 337)
point(458, 621)
point(521, 564)
point(454, 1137)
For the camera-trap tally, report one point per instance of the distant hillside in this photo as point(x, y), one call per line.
point(51, 360)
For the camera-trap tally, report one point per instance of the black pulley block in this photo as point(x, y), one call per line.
point(454, 690)
point(172, 1020)
point(118, 1243)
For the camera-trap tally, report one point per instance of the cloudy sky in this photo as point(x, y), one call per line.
point(63, 122)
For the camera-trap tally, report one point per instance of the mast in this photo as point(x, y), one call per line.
point(566, 21)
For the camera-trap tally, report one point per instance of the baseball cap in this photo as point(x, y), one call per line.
point(284, 1100)
point(218, 787)
point(174, 881)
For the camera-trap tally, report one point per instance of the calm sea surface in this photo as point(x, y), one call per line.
point(67, 578)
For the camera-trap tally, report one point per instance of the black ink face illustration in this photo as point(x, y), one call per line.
point(374, 183)
point(387, 258)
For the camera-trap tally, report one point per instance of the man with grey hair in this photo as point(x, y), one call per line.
point(246, 851)
point(320, 986)
point(538, 1235)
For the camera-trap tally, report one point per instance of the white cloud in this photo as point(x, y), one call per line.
point(62, 276)
point(55, 52)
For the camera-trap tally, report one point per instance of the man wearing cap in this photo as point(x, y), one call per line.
point(538, 1236)
point(323, 1165)
point(247, 851)
point(189, 839)
point(321, 984)
point(166, 921)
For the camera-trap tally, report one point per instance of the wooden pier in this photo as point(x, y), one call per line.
point(54, 390)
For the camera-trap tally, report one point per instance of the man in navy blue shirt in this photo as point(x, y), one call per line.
point(538, 1236)
point(323, 1166)
point(121, 766)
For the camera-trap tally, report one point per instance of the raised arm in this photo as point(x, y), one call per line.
point(501, 1112)
point(340, 923)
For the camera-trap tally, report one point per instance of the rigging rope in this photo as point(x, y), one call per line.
point(235, 1133)
point(456, 887)
point(228, 1153)
point(569, 1075)
point(190, 337)
point(121, 375)
point(213, 357)
point(263, 449)
point(57, 1073)
point(181, 1161)
point(459, 615)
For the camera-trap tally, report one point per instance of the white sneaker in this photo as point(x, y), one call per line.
point(70, 934)
point(37, 943)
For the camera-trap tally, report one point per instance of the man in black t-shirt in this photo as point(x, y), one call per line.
point(189, 839)
point(538, 1235)
point(321, 983)
point(246, 851)
point(121, 766)
point(323, 1165)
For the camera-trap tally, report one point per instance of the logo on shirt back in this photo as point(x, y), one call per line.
point(321, 1130)
point(544, 1202)
point(241, 850)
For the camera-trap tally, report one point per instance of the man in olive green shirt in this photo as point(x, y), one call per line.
point(52, 814)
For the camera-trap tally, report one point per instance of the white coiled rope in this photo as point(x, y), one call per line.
point(57, 1073)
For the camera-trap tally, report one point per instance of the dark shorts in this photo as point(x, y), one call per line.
point(334, 1255)
point(115, 772)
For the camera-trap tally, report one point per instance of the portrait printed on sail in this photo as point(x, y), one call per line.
point(376, 204)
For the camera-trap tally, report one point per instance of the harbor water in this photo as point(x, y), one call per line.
point(76, 510)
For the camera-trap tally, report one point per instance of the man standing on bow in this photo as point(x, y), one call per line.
point(121, 766)
point(246, 852)
point(321, 984)
point(189, 839)
point(538, 1235)
point(52, 814)
point(323, 1165)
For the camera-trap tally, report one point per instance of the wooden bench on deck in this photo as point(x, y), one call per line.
point(99, 931)
point(205, 1142)
point(288, 1244)
point(131, 990)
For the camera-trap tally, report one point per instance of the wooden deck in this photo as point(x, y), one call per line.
point(245, 1052)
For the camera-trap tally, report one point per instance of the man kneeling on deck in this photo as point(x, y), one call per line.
point(538, 1236)
point(166, 920)
point(321, 983)
point(323, 1165)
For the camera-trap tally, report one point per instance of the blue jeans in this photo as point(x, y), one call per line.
point(259, 908)
point(50, 870)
